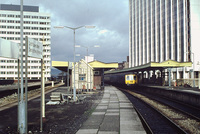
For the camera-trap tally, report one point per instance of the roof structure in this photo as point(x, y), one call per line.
point(63, 65)
point(98, 64)
point(60, 65)
point(154, 66)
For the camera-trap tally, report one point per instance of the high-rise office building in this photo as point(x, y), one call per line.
point(164, 29)
point(37, 25)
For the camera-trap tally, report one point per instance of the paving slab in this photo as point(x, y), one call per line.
point(113, 115)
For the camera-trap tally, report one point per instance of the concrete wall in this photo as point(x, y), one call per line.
point(183, 96)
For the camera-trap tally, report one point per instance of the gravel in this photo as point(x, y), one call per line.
point(59, 119)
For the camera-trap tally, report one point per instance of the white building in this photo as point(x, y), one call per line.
point(83, 75)
point(165, 29)
point(37, 25)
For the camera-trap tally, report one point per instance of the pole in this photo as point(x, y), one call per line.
point(26, 84)
point(21, 105)
point(87, 69)
point(169, 77)
point(74, 91)
point(193, 72)
point(42, 112)
point(199, 79)
point(68, 77)
point(18, 97)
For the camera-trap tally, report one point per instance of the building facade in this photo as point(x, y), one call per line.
point(160, 30)
point(83, 75)
point(37, 25)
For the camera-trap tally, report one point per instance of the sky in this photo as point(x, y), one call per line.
point(111, 32)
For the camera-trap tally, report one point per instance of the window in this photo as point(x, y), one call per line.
point(2, 26)
point(3, 73)
point(3, 15)
point(11, 15)
point(10, 61)
point(96, 72)
point(10, 27)
point(82, 77)
point(26, 16)
point(2, 32)
point(3, 61)
point(10, 38)
point(35, 17)
point(34, 72)
point(10, 21)
point(10, 72)
point(10, 32)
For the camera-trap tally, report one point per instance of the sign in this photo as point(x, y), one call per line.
point(35, 48)
point(70, 65)
point(9, 49)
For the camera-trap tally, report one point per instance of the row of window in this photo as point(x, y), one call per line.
point(25, 16)
point(25, 22)
point(3, 72)
point(29, 28)
point(32, 61)
point(18, 38)
point(30, 67)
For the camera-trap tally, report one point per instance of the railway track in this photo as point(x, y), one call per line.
point(13, 89)
point(160, 116)
point(11, 99)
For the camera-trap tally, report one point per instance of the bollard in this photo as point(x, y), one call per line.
point(52, 83)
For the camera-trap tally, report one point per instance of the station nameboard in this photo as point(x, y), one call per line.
point(9, 49)
point(35, 48)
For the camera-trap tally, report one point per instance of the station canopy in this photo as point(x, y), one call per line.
point(153, 66)
point(60, 65)
point(63, 65)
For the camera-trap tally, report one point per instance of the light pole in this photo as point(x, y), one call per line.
point(74, 29)
point(87, 57)
point(193, 68)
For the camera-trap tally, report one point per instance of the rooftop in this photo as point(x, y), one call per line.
point(11, 7)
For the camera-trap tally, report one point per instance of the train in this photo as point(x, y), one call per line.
point(121, 79)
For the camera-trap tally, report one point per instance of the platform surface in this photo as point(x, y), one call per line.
point(114, 114)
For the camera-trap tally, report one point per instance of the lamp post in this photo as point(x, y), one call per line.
point(74, 29)
point(199, 73)
point(193, 68)
point(87, 57)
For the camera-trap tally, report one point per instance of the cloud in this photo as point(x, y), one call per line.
point(102, 31)
point(111, 18)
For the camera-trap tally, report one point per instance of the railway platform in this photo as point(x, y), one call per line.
point(114, 114)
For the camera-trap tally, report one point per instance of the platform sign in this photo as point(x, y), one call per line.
point(70, 65)
point(35, 48)
point(9, 49)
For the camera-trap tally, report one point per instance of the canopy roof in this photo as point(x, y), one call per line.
point(60, 65)
point(98, 64)
point(154, 66)
point(63, 65)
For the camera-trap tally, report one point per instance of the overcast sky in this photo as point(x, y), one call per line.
point(111, 18)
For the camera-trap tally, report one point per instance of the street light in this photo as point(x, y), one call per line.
point(74, 29)
point(193, 67)
point(87, 57)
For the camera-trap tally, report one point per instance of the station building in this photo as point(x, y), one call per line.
point(162, 30)
point(37, 25)
point(87, 75)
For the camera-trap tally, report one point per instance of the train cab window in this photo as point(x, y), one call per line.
point(129, 77)
point(134, 77)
